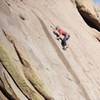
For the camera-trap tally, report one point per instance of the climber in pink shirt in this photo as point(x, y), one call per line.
point(62, 35)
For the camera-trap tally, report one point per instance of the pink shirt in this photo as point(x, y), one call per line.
point(62, 32)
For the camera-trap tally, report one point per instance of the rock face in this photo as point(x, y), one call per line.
point(86, 9)
point(33, 65)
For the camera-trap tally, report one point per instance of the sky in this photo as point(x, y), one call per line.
point(97, 1)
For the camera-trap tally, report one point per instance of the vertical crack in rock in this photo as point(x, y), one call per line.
point(11, 77)
point(17, 78)
point(30, 74)
point(14, 95)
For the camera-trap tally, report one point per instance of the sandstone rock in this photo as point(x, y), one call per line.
point(33, 65)
point(87, 9)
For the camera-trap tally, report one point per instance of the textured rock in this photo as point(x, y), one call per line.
point(33, 65)
point(87, 10)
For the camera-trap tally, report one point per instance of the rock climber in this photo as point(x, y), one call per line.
point(61, 35)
